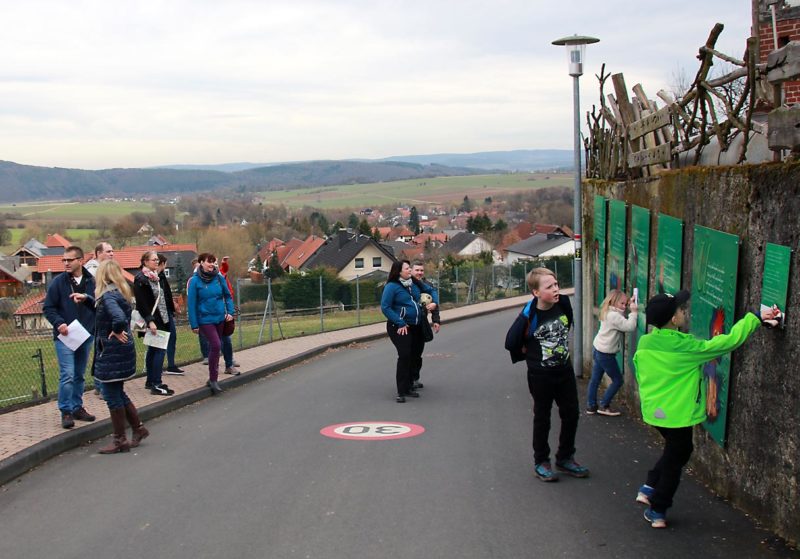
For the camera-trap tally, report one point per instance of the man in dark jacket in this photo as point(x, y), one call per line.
point(70, 297)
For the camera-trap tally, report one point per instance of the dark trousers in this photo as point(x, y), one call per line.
point(547, 387)
point(666, 474)
point(409, 352)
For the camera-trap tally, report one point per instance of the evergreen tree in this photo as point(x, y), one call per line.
point(352, 222)
point(364, 228)
point(413, 220)
point(180, 276)
point(466, 205)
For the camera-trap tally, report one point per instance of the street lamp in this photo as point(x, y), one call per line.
point(576, 50)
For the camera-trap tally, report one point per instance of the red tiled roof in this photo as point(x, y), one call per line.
point(31, 305)
point(305, 251)
point(128, 257)
point(422, 238)
point(56, 240)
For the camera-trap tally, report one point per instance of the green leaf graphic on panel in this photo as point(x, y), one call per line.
point(639, 266)
point(775, 286)
point(599, 249)
point(714, 268)
point(669, 252)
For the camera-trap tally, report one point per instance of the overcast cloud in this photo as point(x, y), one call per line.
point(95, 84)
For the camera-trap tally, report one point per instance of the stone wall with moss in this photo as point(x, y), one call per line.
point(759, 466)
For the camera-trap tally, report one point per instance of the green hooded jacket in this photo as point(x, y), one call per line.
point(668, 368)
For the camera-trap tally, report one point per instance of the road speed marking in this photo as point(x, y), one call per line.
point(372, 430)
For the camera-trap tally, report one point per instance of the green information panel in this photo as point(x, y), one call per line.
point(639, 266)
point(669, 252)
point(714, 270)
point(616, 244)
point(599, 249)
point(616, 254)
point(775, 287)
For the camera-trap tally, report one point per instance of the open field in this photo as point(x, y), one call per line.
point(439, 190)
point(75, 211)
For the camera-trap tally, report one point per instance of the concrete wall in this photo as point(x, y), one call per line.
point(758, 468)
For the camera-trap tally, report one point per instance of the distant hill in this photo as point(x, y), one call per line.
point(20, 183)
point(515, 160)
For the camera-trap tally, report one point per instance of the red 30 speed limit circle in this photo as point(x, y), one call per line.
point(372, 430)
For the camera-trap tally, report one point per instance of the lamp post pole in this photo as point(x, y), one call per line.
point(576, 46)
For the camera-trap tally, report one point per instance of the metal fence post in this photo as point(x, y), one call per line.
point(321, 309)
point(358, 302)
point(38, 355)
point(239, 310)
point(524, 275)
point(270, 303)
point(456, 285)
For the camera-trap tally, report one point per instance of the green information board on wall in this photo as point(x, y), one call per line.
point(617, 241)
point(639, 266)
point(616, 244)
point(599, 249)
point(669, 253)
point(714, 273)
point(775, 286)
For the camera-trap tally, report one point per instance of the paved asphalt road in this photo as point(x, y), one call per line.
point(248, 474)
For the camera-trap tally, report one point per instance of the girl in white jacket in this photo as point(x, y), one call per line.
point(606, 344)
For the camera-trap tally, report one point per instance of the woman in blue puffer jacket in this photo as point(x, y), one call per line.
point(210, 305)
point(403, 316)
point(115, 354)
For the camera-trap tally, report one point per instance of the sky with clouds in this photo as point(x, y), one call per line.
point(99, 84)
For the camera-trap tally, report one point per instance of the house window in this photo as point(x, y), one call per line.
point(376, 261)
point(359, 263)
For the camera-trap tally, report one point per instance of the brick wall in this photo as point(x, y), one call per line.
point(788, 30)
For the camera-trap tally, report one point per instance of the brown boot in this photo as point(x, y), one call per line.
point(118, 443)
point(138, 430)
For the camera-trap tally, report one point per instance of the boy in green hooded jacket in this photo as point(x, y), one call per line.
point(668, 366)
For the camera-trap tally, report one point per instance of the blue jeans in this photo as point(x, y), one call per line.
point(227, 348)
point(173, 337)
point(154, 363)
point(71, 370)
point(114, 394)
point(604, 362)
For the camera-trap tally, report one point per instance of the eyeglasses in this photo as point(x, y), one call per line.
point(68, 260)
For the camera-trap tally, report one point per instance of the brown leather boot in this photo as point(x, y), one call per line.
point(118, 443)
point(138, 430)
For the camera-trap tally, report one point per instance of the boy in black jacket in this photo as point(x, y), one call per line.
point(540, 336)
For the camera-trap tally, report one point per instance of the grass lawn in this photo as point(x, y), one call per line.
point(74, 211)
point(20, 379)
point(439, 190)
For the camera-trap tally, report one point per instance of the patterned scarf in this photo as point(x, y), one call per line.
point(207, 277)
point(155, 286)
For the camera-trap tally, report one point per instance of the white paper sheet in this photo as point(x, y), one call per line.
point(159, 339)
point(76, 335)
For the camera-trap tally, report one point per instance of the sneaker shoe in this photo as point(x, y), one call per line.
point(82, 415)
point(572, 468)
point(656, 519)
point(162, 390)
point(608, 411)
point(400, 399)
point(67, 421)
point(645, 494)
point(232, 371)
point(412, 394)
point(417, 385)
point(544, 472)
point(235, 363)
point(174, 371)
point(591, 410)
point(205, 360)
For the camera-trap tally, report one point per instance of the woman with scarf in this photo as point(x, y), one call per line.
point(403, 315)
point(152, 305)
point(210, 305)
point(115, 354)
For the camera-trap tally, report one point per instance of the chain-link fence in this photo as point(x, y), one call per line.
point(293, 305)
